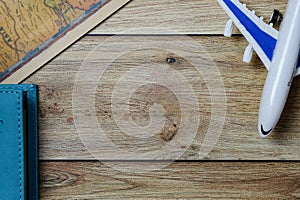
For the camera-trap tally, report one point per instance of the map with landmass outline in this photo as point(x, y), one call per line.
point(28, 27)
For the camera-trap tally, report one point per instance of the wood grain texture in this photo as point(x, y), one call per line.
point(243, 85)
point(185, 17)
point(86, 178)
point(183, 180)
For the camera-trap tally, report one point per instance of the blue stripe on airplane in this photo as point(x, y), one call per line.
point(264, 40)
point(298, 61)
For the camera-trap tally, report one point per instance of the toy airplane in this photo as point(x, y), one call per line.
point(279, 51)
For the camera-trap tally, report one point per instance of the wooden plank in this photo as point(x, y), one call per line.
point(185, 17)
point(184, 180)
point(243, 85)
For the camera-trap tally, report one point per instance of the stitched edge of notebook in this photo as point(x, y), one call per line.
point(20, 151)
point(19, 140)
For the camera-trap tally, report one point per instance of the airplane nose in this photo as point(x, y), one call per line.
point(264, 133)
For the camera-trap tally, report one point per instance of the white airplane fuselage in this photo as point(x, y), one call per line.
point(282, 70)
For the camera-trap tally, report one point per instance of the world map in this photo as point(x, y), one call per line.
point(27, 27)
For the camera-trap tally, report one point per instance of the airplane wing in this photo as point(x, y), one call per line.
point(262, 37)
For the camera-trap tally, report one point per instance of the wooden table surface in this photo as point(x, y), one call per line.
point(231, 162)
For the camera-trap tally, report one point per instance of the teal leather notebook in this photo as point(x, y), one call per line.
point(18, 142)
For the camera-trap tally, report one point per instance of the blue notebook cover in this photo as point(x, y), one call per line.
point(18, 142)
